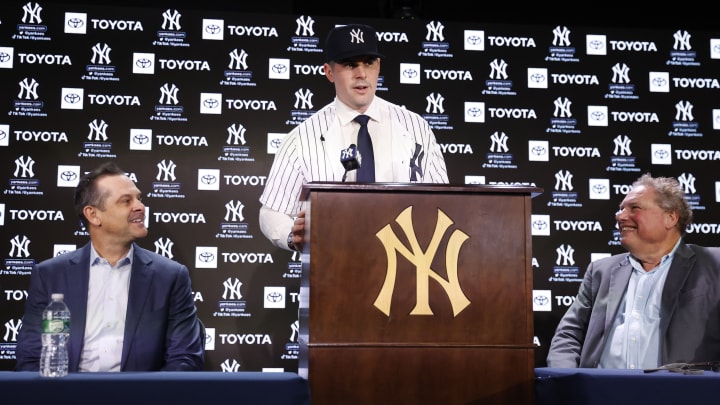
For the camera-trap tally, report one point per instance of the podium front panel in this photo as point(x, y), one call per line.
point(404, 279)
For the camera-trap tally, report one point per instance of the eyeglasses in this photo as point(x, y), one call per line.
point(687, 368)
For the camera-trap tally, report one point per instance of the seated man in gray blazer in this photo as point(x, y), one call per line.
point(131, 309)
point(657, 304)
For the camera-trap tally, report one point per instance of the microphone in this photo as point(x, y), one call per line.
point(350, 159)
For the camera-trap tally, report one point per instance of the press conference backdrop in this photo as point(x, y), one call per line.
point(194, 104)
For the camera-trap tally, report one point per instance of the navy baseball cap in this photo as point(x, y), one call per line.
point(351, 40)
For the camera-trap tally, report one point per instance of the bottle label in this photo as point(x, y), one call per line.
point(55, 326)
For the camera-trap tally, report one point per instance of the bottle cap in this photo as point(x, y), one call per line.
point(57, 296)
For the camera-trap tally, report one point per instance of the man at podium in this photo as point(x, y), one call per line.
point(357, 137)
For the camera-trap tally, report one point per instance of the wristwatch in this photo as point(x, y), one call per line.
point(290, 243)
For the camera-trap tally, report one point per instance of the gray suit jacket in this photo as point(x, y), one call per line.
point(162, 330)
point(690, 310)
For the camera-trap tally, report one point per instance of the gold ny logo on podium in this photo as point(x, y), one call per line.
point(422, 261)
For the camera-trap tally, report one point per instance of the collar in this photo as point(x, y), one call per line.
point(636, 263)
point(347, 114)
point(95, 257)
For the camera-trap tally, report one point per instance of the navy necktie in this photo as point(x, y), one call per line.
point(366, 172)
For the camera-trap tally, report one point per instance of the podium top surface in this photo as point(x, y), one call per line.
point(419, 188)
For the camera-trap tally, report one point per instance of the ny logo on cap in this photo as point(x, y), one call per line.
point(356, 36)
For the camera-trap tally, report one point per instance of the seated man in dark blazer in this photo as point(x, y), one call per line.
point(131, 309)
point(659, 303)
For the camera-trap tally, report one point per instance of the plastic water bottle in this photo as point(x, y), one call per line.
point(55, 334)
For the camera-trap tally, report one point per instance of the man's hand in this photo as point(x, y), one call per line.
point(297, 232)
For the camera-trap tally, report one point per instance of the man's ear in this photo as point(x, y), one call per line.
point(328, 72)
point(90, 213)
point(671, 219)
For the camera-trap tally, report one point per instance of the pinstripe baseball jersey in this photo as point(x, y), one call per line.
point(311, 152)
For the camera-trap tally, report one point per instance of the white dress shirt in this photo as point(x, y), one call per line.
point(106, 310)
point(634, 340)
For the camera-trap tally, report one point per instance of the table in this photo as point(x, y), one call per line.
point(156, 388)
point(590, 386)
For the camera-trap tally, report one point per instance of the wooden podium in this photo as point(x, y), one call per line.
point(417, 294)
